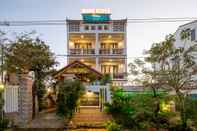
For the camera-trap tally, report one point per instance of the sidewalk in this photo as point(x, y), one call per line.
point(47, 119)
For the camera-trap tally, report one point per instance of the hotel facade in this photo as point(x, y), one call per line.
point(100, 43)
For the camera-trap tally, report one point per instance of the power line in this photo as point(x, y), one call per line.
point(128, 57)
point(63, 22)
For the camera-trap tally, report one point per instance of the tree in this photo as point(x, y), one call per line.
point(68, 96)
point(3, 122)
point(176, 67)
point(29, 53)
point(148, 78)
point(135, 110)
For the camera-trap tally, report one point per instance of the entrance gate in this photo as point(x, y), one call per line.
point(90, 99)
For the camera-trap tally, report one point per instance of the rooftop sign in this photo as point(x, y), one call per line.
point(96, 11)
point(96, 15)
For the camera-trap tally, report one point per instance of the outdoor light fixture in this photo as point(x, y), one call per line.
point(109, 36)
point(82, 36)
point(1, 87)
point(82, 60)
point(49, 90)
point(71, 44)
point(165, 107)
point(89, 93)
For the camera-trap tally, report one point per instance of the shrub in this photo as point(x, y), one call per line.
point(69, 93)
point(113, 126)
point(4, 123)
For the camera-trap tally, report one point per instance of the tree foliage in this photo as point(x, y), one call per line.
point(135, 110)
point(176, 67)
point(28, 53)
point(68, 96)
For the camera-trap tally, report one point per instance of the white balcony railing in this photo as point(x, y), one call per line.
point(118, 76)
point(82, 51)
point(111, 51)
point(92, 51)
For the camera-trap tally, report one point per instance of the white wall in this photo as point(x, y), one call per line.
point(11, 99)
point(188, 43)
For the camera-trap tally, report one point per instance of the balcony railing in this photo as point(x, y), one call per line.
point(92, 51)
point(111, 51)
point(118, 76)
point(82, 51)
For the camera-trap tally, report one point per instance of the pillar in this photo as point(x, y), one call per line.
point(25, 99)
point(97, 47)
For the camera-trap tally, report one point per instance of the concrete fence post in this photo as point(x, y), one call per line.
point(25, 99)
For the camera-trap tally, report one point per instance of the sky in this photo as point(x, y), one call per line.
point(140, 36)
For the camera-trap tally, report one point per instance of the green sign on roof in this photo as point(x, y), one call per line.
point(92, 18)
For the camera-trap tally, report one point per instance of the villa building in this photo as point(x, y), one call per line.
point(99, 42)
point(96, 45)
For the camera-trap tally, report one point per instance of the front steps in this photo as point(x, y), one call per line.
point(90, 117)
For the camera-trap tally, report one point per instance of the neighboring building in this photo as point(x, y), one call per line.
point(192, 28)
point(99, 42)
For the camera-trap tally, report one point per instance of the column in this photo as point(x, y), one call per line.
point(97, 64)
point(97, 44)
point(97, 47)
point(25, 100)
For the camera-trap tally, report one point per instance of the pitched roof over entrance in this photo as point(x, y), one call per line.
point(79, 70)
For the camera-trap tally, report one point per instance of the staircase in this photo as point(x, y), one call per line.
point(90, 117)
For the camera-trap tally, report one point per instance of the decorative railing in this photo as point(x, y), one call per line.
point(104, 51)
point(92, 51)
point(116, 51)
point(82, 51)
point(118, 76)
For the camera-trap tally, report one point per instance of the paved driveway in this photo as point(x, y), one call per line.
point(48, 119)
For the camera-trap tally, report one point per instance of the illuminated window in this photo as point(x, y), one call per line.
point(103, 45)
point(114, 45)
point(77, 45)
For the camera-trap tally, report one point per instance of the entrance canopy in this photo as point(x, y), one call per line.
point(78, 70)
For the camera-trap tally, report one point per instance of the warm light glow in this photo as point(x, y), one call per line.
point(49, 90)
point(110, 60)
point(109, 36)
point(120, 44)
point(82, 41)
point(82, 60)
point(165, 107)
point(96, 11)
point(121, 66)
point(1, 86)
point(71, 44)
point(82, 36)
point(89, 93)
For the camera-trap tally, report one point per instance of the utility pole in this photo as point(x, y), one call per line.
point(1, 91)
point(2, 86)
point(2, 59)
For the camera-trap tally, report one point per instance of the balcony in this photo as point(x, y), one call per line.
point(118, 76)
point(82, 51)
point(111, 51)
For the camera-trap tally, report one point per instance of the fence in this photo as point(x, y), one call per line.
point(11, 99)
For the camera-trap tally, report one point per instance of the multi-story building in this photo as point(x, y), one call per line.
point(192, 30)
point(99, 42)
